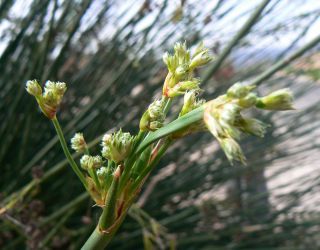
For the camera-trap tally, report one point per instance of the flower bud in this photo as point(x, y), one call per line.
point(105, 152)
point(118, 147)
point(254, 127)
point(230, 130)
point(170, 81)
point(154, 117)
point(279, 100)
point(59, 88)
point(49, 103)
point(85, 162)
point(181, 71)
point(212, 123)
point(181, 52)
point(165, 58)
point(155, 125)
point(239, 90)
point(106, 140)
point(190, 102)
point(50, 100)
point(102, 173)
point(230, 113)
point(199, 49)
point(182, 87)
point(222, 116)
point(78, 143)
point(171, 61)
point(200, 58)
point(180, 48)
point(248, 101)
point(155, 109)
point(232, 150)
point(33, 88)
point(97, 161)
point(91, 162)
point(179, 78)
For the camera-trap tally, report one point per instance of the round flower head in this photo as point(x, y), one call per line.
point(117, 147)
point(254, 127)
point(50, 100)
point(89, 162)
point(190, 102)
point(85, 161)
point(279, 100)
point(106, 140)
point(232, 150)
point(102, 173)
point(78, 143)
point(224, 120)
point(182, 87)
point(33, 88)
point(154, 116)
point(201, 57)
point(239, 90)
point(181, 66)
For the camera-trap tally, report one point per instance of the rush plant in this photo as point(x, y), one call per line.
point(115, 177)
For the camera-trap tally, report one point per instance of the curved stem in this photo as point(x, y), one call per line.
point(66, 151)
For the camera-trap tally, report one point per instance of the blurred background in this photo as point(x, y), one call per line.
point(109, 53)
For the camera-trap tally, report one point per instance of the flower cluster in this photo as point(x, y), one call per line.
point(49, 101)
point(117, 146)
point(102, 173)
point(154, 116)
point(114, 184)
point(78, 143)
point(190, 102)
point(180, 66)
point(224, 120)
point(89, 162)
point(278, 100)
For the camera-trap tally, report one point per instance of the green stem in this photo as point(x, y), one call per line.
point(99, 240)
point(95, 178)
point(86, 150)
point(66, 151)
point(108, 179)
point(182, 122)
point(92, 172)
point(154, 162)
point(141, 162)
point(131, 160)
point(108, 215)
